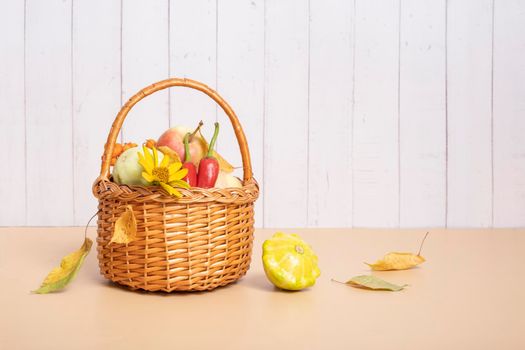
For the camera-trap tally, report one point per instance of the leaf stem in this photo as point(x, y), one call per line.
point(421, 246)
point(196, 130)
point(87, 225)
point(337, 281)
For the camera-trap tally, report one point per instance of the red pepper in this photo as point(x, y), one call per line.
point(191, 177)
point(209, 166)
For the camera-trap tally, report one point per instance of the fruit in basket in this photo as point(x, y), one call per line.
point(191, 176)
point(289, 263)
point(226, 180)
point(127, 170)
point(223, 163)
point(119, 148)
point(209, 166)
point(174, 139)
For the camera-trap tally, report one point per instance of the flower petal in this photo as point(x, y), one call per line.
point(148, 157)
point(145, 160)
point(170, 190)
point(148, 177)
point(174, 167)
point(178, 175)
point(141, 157)
point(165, 161)
point(147, 167)
point(142, 161)
point(155, 157)
point(179, 183)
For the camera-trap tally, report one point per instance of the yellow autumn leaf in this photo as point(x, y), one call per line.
point(171, 153)
point(60, 276)
point(125, 230)
point(397, 261)
point(223, 163)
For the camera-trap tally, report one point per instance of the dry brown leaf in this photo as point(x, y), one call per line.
point(60, 276)
point(397, 261)
point(171, 153)
point(150, 143)
point(125, 230)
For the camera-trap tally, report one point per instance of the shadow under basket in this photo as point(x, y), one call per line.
point(197, 242)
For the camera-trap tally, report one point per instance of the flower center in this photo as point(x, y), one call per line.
point(162, 174)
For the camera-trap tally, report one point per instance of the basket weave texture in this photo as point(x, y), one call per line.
point(200, 241)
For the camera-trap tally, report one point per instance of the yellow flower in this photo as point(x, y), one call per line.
point(164, 174)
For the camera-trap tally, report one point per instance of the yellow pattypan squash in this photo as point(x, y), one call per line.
point(289, 263)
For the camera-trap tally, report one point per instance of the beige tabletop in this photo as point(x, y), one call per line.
point(470, 294)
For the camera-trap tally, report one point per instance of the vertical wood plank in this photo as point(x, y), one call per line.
point(241, 82)
point(330, 111)
point(422, 113)
point(193, 54)
point(145, 61)
point(286, 114)
point(469, 67)
point(375, 126)
point(96, 93)
point(509, 113)
point(291, 85)
point(12, 115)
point(48, 108)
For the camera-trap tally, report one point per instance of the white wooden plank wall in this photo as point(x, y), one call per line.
point(285, 135)
point(13, 191)
point(49, 121)
point(469, 115)
point(240, 72)
point(96, 92)
point(193, 54)
point(378, 113)
point(330, 113)
point(145, 55)
point(375, 150)
point(422, 113)
point(509, 114)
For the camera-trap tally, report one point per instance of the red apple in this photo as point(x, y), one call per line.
point(174, 139)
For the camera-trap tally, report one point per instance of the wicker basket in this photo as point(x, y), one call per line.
point(200, 241)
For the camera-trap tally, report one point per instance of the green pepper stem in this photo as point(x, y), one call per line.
point(213, 139)
point(187, 147)
point(197, 129)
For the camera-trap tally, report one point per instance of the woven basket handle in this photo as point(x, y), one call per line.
point(161, 85)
